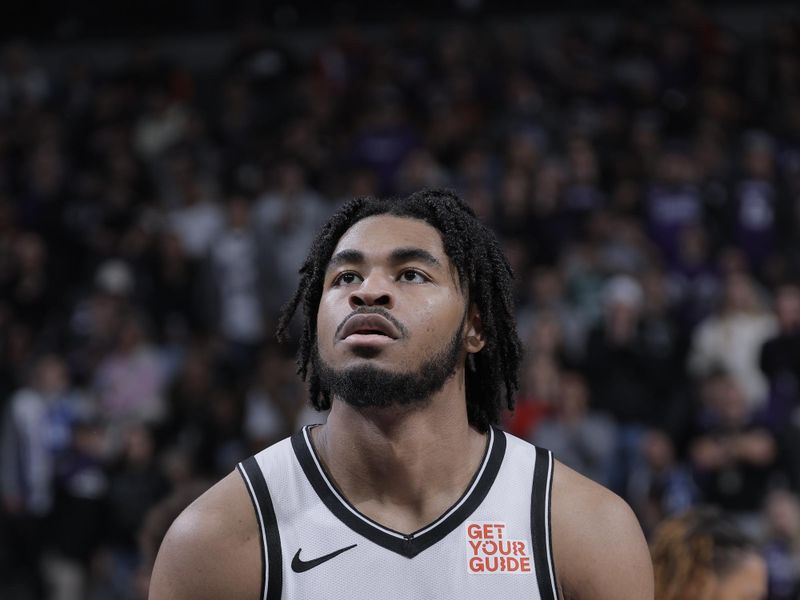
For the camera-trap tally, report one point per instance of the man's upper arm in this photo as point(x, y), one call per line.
point(599, 548)
point(211, 550)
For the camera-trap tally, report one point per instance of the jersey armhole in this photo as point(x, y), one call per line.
point(541, 531)
point(271, 559)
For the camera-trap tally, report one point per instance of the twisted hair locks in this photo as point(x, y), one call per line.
point(483, 271)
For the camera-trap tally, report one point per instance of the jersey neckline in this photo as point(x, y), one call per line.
point(408, 545)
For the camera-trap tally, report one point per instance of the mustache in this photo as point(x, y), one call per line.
point(373, 310)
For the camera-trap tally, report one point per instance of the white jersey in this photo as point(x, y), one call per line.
point(494, 542)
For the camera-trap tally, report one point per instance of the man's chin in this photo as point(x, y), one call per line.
point(367, 382)
point(367, 385)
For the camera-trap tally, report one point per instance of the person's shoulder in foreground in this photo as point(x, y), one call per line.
point(212, 550)
point(599, 548)
point(409, 339)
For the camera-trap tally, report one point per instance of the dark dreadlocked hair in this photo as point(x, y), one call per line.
point(483, 271)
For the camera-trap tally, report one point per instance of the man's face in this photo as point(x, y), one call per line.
point(391, 306)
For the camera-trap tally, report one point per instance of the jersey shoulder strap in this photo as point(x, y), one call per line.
point(271, 559)
point(541, 532)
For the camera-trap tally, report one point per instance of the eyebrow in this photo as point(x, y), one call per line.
point(398, 255)
point(401, 255)
point(351, 257)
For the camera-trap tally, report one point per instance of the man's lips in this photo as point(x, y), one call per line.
point(369, 324)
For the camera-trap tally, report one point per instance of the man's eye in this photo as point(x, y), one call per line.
point(346, 278)
point(413, 276)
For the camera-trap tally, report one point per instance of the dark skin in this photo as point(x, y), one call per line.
point(401, 466)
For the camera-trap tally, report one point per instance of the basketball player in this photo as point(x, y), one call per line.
point(408, 490)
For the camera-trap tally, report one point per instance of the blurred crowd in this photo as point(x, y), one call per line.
point(645, 183)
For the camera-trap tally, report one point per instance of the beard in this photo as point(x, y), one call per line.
point(367, 386)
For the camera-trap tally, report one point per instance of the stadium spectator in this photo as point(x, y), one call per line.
point(537, 396)
point(135, 485)
point(236, 278)
point(661, 485)
point(759, 210)
point(285, 217)
point(36, 432)
point(780, 356)
point(732, 453)
point(780, 363)
point(23, 83)
point(271, 407)
point(77, 524)
point(130, 381)
point(673, 201)
point(731, 338)
point(694, 277)
point(620, 365)
point(578, 436)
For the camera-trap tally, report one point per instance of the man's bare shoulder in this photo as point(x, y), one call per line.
point(212, 548)
point(599, 548)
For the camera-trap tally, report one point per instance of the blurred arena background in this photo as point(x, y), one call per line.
point(163, 168)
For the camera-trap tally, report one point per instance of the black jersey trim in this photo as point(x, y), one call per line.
point(541, 531)
point(272, 563)
point(408, 545)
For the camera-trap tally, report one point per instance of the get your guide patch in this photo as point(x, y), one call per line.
point(490, 550)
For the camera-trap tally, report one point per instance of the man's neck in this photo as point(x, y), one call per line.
point(401, 467)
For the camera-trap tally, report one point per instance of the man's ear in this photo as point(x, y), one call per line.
point(473, 331)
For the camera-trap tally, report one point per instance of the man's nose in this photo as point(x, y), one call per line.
point(372, 292)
